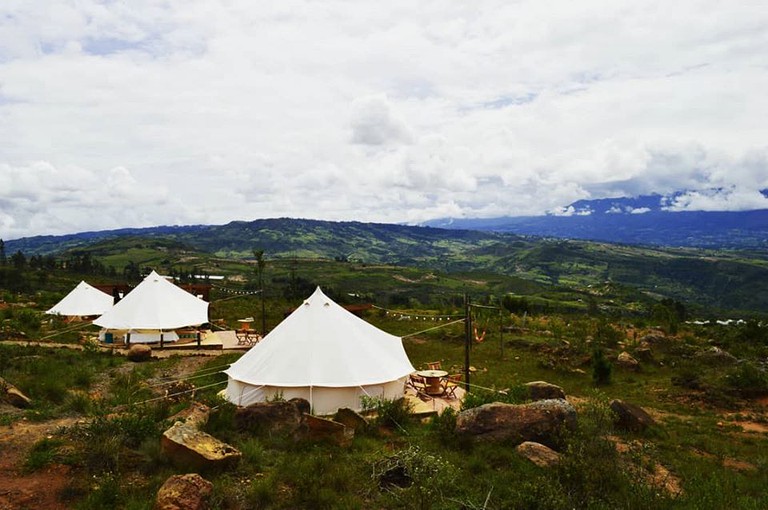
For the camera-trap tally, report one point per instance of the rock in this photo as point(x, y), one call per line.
point(654, 338)
point(644, 354)
point(17, 399)
point(139, 353)
point(184, 492)
point(541, 421)
point(539, 454)
point(715, 356)
point(197, 415)
point(301, 404)
point(321, 429)
point(351, 418)
point(542, 390)
point(631, 417)
point(188, 447)
point(272, 416)
point(624, 359)
point(11, 394)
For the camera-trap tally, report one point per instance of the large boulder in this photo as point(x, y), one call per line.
point(272, 416)
point(539, 454)
point(186, 446)
point(325, 430)
point(542, 421)
point(542, 390)
point(184, 492)
point(715, 356)
point(351, 418)
point(631, 417)
point(139, 353)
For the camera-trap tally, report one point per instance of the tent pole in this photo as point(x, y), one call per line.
point(161, 338)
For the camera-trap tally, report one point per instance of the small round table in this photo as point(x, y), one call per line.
point(433, 377)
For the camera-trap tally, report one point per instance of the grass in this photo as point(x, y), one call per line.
point(444, 471)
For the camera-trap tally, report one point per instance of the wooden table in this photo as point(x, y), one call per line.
point(433, 378)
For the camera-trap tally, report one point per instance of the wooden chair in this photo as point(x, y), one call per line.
point(450, 384)
point(434, 365)
point(417, 382)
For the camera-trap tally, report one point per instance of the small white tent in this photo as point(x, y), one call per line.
point(83, 301)
point(155, 305)
point(324, 354)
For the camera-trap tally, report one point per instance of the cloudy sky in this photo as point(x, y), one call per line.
point(151, 112)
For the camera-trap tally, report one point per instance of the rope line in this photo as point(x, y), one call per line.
point(165, 397)
point(67, 330)
point(433, 328)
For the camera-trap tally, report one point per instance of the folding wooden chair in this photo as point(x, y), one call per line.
point(434, 365)
point(450, 384)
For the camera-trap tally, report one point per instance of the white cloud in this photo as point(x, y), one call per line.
point(731, 199)
point(207, 111)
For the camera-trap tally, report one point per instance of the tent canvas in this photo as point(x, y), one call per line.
point(155, 304)
point(82, 301)
point(324, 354)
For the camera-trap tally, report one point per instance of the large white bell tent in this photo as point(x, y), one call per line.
point(83, 301)
point(155, 307)
point(324, 354)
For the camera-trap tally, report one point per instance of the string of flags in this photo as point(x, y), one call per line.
point(234, 291)
point(416, 317)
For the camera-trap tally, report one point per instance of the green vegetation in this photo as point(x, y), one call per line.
point(548, 310)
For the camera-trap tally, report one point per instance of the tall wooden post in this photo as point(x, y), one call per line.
point(467, 339)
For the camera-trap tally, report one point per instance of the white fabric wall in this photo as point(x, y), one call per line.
point(323, 400)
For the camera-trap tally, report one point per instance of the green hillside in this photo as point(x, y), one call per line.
point(724, 280)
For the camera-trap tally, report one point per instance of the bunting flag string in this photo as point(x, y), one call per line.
point(416, 317)
point(238, 292)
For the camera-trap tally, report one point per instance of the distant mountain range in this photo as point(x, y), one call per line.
point(639, 220)
point(729, 280)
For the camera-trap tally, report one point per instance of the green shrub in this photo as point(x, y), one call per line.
point(601, 368)
point(43, 453)
point(389, 413)
point(748, 379)
point(415, 479)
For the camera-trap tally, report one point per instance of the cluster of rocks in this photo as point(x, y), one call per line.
point(537, 428)
point(187, 446)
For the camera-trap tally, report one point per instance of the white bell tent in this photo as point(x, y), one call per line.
point(83, 301)
point(324, 354)
point(155, 307)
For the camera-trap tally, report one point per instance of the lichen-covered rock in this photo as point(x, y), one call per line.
point(542, 421)
point(196, 414)
point(542, 390)
point(541, 455)
point(186, 446)
point(184, 492)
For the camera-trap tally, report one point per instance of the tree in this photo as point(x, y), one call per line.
point(3, 259)
point(18, 260)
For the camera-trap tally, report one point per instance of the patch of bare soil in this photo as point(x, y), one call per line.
point(40, 489)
